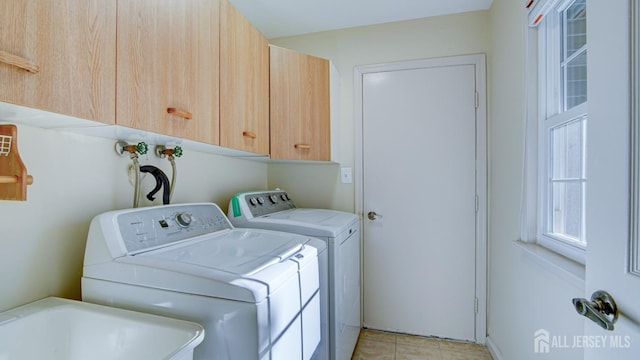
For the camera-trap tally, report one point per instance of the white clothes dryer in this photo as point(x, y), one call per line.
point(275, 210)
point(255, 292)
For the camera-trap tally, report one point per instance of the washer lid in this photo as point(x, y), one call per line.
point(310, 222)
point(239, 252)
point(238, 264)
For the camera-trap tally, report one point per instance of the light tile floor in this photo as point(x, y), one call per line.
point(377, 345)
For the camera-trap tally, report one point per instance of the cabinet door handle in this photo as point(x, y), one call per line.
point(249, 134)
point(181, 113)
point(8, 179)
point(302, 146)
point(19, 62)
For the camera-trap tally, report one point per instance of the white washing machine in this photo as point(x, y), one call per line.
point(275, 210)
point(255, 292)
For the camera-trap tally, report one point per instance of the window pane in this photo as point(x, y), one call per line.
point(573, 61)
point(567, 180)
point(576, 81)
point(575, 28)
point(567, 151)
point(567, 209)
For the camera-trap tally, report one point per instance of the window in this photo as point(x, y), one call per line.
point(561, 29)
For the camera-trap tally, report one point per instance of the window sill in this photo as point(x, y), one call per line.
point(573, 271)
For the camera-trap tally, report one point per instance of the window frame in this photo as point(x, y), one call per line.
point(551, 114)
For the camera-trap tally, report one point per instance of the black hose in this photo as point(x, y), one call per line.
point(161, 181)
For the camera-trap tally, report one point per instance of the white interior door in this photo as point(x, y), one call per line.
point(610, 238)
point(419, 165)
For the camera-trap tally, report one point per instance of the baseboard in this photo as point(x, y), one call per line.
point(493, 349)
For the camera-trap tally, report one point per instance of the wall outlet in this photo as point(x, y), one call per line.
point(345, 175)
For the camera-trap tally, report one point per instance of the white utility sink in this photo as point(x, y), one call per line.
point(61, 329)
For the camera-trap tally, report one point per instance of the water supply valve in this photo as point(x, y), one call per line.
point(139, 148)
point(170, 154)
point(163, 151)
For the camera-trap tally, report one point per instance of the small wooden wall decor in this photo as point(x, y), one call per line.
point(13, 173)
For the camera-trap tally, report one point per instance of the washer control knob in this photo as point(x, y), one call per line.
point(273, 198)
point(184, 219)
point(253, 201)
point(261, 200)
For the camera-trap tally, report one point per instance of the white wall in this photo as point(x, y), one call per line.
point(75, 178)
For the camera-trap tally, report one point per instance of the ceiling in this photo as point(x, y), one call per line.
point(279, 18)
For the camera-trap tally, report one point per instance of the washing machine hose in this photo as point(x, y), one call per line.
point(161, 181)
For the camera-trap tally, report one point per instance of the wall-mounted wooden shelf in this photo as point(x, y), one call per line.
point(13, 173)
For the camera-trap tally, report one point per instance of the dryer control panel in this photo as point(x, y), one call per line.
point(254, 204)
point(143, 229)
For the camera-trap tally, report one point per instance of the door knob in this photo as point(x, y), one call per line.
point(601, 309)
point(373, 216)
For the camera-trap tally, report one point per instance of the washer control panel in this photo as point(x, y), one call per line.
point(147, 228)
point(261, 203)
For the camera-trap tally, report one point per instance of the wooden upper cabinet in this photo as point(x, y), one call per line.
point(244, 83)
point(59, 56)
point(168, 58)
point(300, 106)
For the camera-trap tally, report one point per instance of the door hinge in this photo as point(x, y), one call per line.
point(475, 305)
point(477, 100)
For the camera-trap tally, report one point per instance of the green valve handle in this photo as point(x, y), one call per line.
point(177, 151)
point(142, 148)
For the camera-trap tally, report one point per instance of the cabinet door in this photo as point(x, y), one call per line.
point(73, 44)
point(168, 58)
point(244, 83)
point(300, 114)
